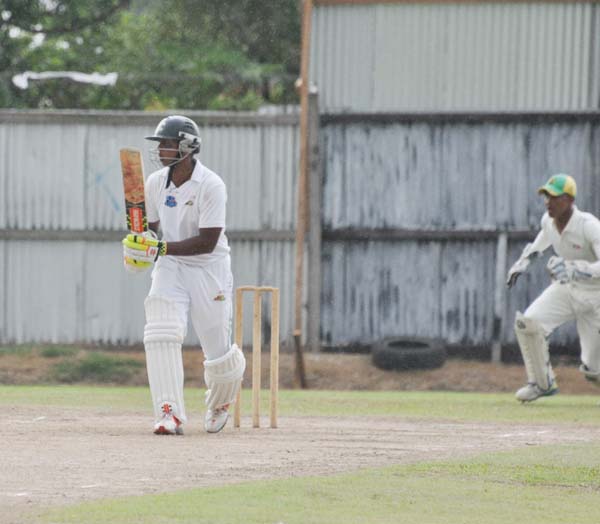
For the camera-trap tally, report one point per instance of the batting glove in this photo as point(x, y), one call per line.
point(143, 248)
point(134, 266)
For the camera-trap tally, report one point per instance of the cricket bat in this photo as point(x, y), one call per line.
point(133, 187)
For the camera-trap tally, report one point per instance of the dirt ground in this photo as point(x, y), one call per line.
point(60, 457)
point(336, 371)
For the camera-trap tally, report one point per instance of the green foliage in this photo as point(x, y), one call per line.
point(171, 54)
point(267, 31)
point(38, 36)
point(26, 350)
point(58, 351)
point(20, 351)
point(96, 367)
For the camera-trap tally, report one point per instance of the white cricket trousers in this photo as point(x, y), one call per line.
point(560, 303)
point(203, 293)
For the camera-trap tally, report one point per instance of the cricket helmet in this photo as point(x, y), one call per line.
point(179, 128)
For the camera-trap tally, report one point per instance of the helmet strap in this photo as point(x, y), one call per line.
point(172, 168)
point(170, 175)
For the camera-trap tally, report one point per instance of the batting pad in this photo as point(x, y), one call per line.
point(223, 377)
point(534, 348)
point(163, 336)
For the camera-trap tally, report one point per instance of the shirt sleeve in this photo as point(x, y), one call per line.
point(542, 241)
point(212, 206)
point(591, 231)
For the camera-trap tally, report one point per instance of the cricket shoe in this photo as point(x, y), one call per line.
point(531, 392)
point(169, 424)
point(590, 376)
point(215, 419)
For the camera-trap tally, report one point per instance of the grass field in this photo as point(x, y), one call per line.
point(427, 405)
point(545, 484)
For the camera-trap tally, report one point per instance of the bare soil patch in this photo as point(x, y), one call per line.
point(62, 457)
point(335, 371)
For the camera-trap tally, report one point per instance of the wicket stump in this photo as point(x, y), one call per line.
point(256, 350)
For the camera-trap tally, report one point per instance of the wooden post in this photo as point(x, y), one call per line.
point(274, 380)
point(313, 328)
point(302, 191)
point(499, 295)
point(257, 350)
point(239, 338)
point(256, 358)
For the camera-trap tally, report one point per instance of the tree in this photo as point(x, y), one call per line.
point(268, 32)
point(31, 29)
point(228, 54)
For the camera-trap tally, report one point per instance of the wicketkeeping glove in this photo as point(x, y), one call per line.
point(568, 270)
point(520, 266)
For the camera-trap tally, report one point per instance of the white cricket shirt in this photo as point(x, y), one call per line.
point(579, 240)
point(200, 202)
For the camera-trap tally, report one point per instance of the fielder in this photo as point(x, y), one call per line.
point(191, 275)
point(574, 293)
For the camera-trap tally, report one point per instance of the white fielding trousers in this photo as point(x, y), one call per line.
point(560, 303)
point(203, 293)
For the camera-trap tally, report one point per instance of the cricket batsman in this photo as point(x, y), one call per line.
point(574, 293)
point(191, 276)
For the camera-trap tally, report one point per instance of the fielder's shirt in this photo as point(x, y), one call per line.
point(579, 240)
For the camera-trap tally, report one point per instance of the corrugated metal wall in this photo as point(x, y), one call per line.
point(452, 175)
point(62, 217)
point(509, 56)
point(444, 177)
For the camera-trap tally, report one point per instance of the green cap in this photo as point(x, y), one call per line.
point(558, 185)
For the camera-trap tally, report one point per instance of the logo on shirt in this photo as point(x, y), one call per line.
point(170, 201)
point(189, 203)
point(220, 297)
point(576, 246)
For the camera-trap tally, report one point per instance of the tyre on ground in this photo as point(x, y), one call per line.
point(404, 353)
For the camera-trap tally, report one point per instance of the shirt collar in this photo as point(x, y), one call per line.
point(198, 172)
